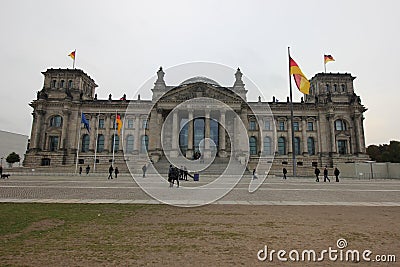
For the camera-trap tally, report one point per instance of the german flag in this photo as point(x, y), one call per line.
point(301, 81)
point(72, 55)
point(119, 124)
point(328, 58)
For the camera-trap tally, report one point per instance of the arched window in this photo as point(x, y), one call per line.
point(100, 143)
point(343, 87)
point(281, 146)
point(335, 87)
point(129, 144)
point(70, 84)
point(53, 84)
point(340, 125)
point(85, 143)
point(253, 145)
point(267, 146)
point(311, 146)
point(62, 83)
point(145, 144)
point(56, 121)
point(115, 143)
point(297, 145)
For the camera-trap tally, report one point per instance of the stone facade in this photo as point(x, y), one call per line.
point(328, 124)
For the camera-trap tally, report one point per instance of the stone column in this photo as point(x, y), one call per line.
point(93, 128)
point(107, 137)
point(175, 134)
point(137, 134)
point(319, 137)
point(64, 133)
point(289, 135)
point(332, 132)
point(36, 135)
point(207, 151)
point(222, 149)
point(304, 134)
point(189, 152)
point(357, 126)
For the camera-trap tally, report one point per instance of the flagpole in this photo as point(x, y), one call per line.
point(79, 141)
point(115, 128)
point(291, 120)
point(324, 64)
point(96, 138)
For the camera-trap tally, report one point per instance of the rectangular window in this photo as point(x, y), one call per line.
point(342, 147)
point(53, 143)
point(101, 123)
point(281, 126)
point(267, 125)
point(252, 126)
point(310, 126)
point(296, 126)
point(129, 125)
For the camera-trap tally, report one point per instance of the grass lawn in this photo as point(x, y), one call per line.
point(115, 235)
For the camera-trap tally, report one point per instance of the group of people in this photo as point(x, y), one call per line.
point(111, 170)
point(87, 170)
point(336, 172)
point(176, 174)
point(317, 171)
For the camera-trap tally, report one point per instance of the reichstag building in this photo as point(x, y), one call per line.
point(327, 123)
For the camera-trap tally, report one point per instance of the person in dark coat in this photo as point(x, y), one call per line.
point(336, 172)
point(87, 169)
point(144, 169)
point(116, 171)
point(284, 173)
point(317, 172)
point(170, 176)
point(110, 171)
point(185, 173)
point(80, 170)
point(326, 174)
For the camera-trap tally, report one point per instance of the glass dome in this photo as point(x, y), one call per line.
point(199, 79)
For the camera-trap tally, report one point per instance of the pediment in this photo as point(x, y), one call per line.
point(197, 90)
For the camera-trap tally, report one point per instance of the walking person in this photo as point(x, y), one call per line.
point(80, 170)
point(116, 171)
point(1, 170)
point(336, 172)
point(170, 175)
point(110, 171)
point(284, 173)
point(317, 172)
point(87, 169)
point(185, 173)
point(144, 169)
point(254, 174)
point(326, 174)
point(176, 176)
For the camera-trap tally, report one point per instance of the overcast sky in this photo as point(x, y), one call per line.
point(121, 44)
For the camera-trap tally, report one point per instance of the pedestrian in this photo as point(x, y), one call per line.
point(144, 169)
point(110, 171)
point(170, 175)
point(185, 173)
point(116, 171)
point(336, 172)
point(80, 170)
point(254, 174)
point(87, 169)
point(1, 170)
point(284, 173)
point(317, 172)
point(181, 173)
point(176, 176)
point(326, 174)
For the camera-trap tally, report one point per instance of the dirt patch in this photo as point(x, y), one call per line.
point(44, 225)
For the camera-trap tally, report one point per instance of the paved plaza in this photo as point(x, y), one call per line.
point(274, 191)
